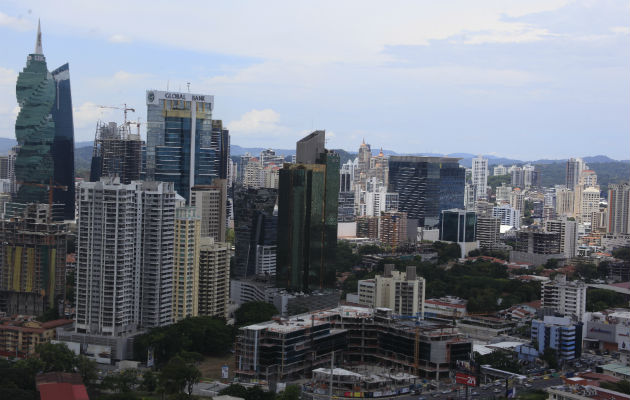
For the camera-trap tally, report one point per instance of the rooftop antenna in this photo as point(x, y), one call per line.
point(188, 85)
point(167, 83)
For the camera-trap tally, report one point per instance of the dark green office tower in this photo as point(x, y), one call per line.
point(307, 222)
point(45, 133)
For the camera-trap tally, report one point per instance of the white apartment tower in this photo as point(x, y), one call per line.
point(124, 256)
point(480, 177)
point(402, 292)
point(565, 297)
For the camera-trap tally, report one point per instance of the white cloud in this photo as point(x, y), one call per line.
point(257, 121)
point(622, 30)
point(19, 24)
point(88, 113)
point(118, 38)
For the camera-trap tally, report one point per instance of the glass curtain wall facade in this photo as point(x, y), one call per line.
point(184, 145)
point(426, 186)
point(307, 224)
point(45, 133)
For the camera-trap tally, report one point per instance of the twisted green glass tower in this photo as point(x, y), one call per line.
point(45, 133)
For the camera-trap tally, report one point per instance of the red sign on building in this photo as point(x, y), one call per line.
point(465, 379)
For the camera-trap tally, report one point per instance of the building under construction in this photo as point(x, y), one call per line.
point(288, 349)
point(117, 153)
point(33, 259)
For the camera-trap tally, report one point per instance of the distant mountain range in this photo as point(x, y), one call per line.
point(236, 150)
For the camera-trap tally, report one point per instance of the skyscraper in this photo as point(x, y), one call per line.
point(117, 152)
point(125, 238)
point(214, 278)
point(186, 263)
point(480, 177)
point(426, 186)
point(307, 217)
point(255, 227)
point(179, 150)
point(45, 133)
point(575, 166)
point(619, 208)
point(211, 204)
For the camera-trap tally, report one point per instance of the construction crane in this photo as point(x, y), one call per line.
point(124, 108)
point(136, 123)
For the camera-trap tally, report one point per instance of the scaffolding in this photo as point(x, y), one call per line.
point(117, 153)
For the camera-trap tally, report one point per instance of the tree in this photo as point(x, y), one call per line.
point(623, 386)
point(87, 369)
point(179, 375)
point(149, 381)
point(601, 299)
point(235, 390)
point(550, 357)
point(253, 312)
point(622, 253)
point(123, 382)
point(499, 360)
point(55, 357)
point(291, 392)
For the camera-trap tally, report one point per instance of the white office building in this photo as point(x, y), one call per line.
point(508, 215)
point(565, 297)
point(568, 235)
point(402, 292)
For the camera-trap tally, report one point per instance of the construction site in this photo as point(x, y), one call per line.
point(290, 349)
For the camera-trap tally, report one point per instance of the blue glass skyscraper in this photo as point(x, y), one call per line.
point(184, 145)
point(426, 186)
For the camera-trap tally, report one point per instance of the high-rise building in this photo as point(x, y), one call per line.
point(214, 278)
point(379, 201)
point(568, 235)
point(186, 262)
point(308, 198)
point(392, 230)
point(589, 204)
point(560, 334)
point(536, 247)
point(480, 177)
point(575, 166)
point(619, 208)
point(255, 227)
point(45, 133)
point(34, 255)
point(211, 204)
point(402, 292)
point(488, 232)
point(565, 297)
point(503, 193)
point(117, 152)
point(179, 150)
point(565, 202)
point(517, 200)
point(124, 272)
point(499, 170)
point(426, 186)
point(508, 215)
point(459, 226)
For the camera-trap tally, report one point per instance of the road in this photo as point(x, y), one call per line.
point(487, 393)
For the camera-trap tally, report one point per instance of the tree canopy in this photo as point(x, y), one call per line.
point(253, 312)
point(205, 335)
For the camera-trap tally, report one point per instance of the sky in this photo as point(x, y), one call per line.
point(525, 79)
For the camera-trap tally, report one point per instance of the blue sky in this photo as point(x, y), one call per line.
point(526, 79)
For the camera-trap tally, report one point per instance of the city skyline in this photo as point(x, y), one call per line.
point(553, 72)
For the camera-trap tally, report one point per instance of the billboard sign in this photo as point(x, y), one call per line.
point(465, 379)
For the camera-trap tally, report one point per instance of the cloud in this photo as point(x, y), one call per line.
point(18, 24)
point(118, 38)
point(88, 113)
point(257, 121)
